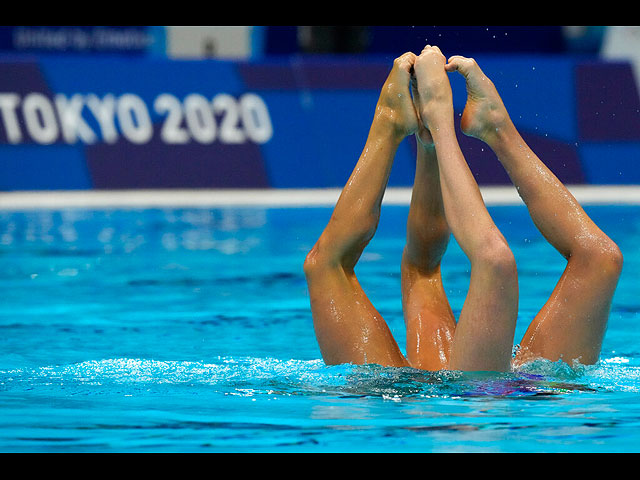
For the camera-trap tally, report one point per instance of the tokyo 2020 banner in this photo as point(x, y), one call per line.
point(139, 122)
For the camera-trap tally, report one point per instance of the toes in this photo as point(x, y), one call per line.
point(406, 61)
point(461, 64)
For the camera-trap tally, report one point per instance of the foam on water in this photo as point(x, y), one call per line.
point(270, 376)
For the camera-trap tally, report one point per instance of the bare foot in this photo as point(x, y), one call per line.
point(484, 114)
point(395, 102)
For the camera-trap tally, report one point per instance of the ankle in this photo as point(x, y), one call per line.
point(486, 123)
point(499, 131)
point(506, 141)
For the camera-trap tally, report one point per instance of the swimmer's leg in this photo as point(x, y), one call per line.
point(429, 321)
point(483, 338)
point(348, 327)
point(572, 323)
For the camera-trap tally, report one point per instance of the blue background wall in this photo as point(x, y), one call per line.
point(284, 122)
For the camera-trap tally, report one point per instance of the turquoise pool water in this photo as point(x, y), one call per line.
point(188, 330)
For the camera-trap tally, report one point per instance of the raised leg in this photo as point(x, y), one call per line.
point(348, 327)
point(572, 323)
point(483, 338)
point(429, 321)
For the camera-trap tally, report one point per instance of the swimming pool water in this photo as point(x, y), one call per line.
point(189, 330)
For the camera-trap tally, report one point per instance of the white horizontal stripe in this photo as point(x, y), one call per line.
point(493, 195)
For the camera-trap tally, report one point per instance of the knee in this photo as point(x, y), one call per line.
point(602, 256)
point(425, 247)
point(319, 258)
point(497, 257)
point(311, 261)
point(435, 232)
point(612, 258)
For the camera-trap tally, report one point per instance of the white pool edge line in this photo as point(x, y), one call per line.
point(175, 198)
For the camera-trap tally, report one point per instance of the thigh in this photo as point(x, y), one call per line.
point(483, 339)
point(348, 327)
point(572, 323)
point(429, 320)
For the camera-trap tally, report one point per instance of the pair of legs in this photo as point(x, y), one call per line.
point(571, 324)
